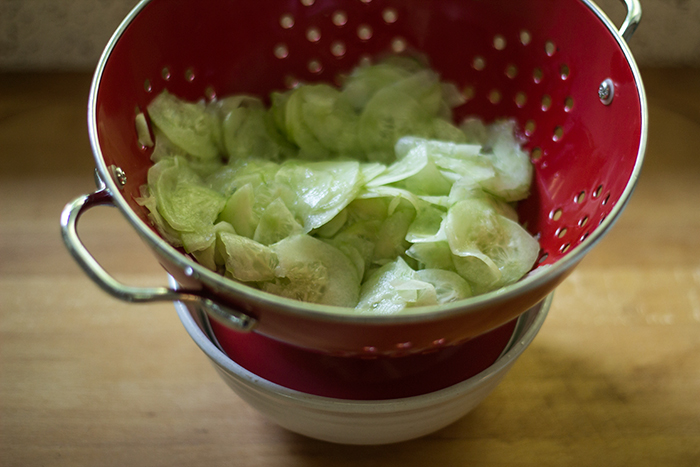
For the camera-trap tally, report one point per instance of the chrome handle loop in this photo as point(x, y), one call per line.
point(634, 16)
point(69, 231)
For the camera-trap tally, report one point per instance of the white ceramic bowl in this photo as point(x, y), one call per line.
point(363, 421)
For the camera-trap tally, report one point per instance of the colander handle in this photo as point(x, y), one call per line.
point(69, 230)
point(634, 16)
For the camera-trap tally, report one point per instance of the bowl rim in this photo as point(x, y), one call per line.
point(524, 333)
point(537, 278)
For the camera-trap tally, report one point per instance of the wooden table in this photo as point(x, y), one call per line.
point(613, 378)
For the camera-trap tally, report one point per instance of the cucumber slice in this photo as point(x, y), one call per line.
point(321, 189)
point(247, 260)
point(411, 164)
point(276, 224)
point(240, 213)
point(449, 286)
point(490, 250)
point(378, 294)
point(364, 82)
point(314, 271)
point(512, 164)
point(389, 115)
point(182, 199)
point(186, 124)
point(331, 119)
point(432, 255)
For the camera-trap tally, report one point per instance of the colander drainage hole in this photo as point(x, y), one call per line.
point(338, 49)
point(313, 34)
point(281, 51)
point(525, 37)
point(537, 75)
point(499, 42)
point(364, 32)
point(564, 71)
point(568, 104)
point(546, 102)
point(398, 45)
point(287, 21)
point(530, 127)
point(339, 18)
point(390, 16)
point(558, 133)
point(598, 191)
point(315, 66)
point(550, 48)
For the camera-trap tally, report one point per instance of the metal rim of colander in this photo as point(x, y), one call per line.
point(533, 280)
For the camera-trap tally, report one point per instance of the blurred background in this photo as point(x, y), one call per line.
point(70, 35)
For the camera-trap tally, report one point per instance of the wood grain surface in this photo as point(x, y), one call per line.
point(612, 379)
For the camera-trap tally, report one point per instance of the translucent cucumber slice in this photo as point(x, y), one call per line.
point(432, 255)
point(362, 237)
point(391, 241)
point(164, 148)
point(426, 225)
point(411, 164)
point(415, 292)
point(330, 228)
point(475, 131)
point(429, 181)
point(331, 119)
point(247, 260)
point(371, 170)
point(364, 82)
point(313, 271)
point(490, 250)
point(298, 131)
point(182, 199)
point(388, 116)
point(276, 224)
point(423, 86)
point(239, 211)
point(379, 295)
point(514, 170)
point(248, 132)
point(376, 208)
point(454, 160)
point(449, 286)
point(209, 255)
point(445, 130)
point(188, 125)
point(321, 189)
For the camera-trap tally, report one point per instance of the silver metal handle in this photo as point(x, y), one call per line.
point(634, 16)
point(69, 230)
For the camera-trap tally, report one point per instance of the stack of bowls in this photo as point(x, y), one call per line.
point(352, 400)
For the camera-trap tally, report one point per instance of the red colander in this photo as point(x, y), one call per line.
point(559, 67)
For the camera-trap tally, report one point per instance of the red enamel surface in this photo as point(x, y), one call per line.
point(363, 378)
point(194, 48)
